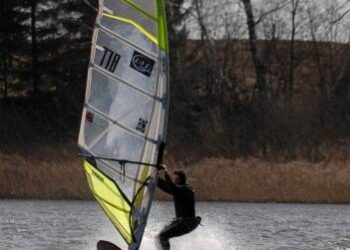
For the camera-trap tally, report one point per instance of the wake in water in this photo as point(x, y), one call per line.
point(200, 239)
point(342, 243)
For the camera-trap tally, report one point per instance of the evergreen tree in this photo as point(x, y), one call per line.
point(60, 43)
point(13, 46)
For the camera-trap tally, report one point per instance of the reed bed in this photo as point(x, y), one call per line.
point(255, 180)
point(58, 174)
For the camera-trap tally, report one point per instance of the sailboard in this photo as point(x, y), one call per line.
point(124, 119)
point(106, 245)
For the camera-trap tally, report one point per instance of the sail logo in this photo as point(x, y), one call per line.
point(110, 60)
point(142, 125)
point(89, 117)
point(142, 64)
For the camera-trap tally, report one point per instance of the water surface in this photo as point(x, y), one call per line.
point(78, 225)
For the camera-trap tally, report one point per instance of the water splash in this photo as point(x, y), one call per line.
point(201, 239)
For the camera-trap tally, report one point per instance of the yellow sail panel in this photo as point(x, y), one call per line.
point(111, 200)
point(139, 198)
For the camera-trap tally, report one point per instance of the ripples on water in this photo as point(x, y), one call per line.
point(49, 225)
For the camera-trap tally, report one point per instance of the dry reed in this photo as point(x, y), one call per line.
point(59, 175)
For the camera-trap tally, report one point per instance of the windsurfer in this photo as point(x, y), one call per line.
point(184, 199)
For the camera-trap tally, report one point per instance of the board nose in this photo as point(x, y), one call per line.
point(106, 245)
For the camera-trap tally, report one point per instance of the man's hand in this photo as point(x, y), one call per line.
point(163, 167)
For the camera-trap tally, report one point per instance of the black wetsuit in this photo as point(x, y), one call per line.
point(186, 220)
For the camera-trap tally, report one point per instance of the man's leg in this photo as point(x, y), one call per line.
point(175, 229)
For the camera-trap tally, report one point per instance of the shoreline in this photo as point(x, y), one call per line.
point(171, 202)
point(214, 179)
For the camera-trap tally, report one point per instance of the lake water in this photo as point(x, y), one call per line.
point(77, 225)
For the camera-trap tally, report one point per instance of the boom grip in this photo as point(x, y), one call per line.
point(160, 153)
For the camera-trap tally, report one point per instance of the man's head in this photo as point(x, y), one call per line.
point(180, 177)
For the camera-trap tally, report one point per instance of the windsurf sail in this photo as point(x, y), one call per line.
point(123, 127)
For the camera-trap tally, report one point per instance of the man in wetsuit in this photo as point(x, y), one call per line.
point(183, 195)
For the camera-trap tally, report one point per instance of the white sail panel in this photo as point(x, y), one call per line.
point(123, 9)
point(127, 31)
point(108, 46)
point(119, 102)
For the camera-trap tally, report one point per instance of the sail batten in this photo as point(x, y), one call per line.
point(150, 53)
point(107, 74)
point(123, 127)
point(115, 122)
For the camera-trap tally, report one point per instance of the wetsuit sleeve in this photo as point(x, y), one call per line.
point(168, 185)
point(164, 185)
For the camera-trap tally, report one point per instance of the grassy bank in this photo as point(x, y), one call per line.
point(56, 173)
point(50, 173)
point(254, 180)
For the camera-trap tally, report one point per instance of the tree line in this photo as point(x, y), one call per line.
point(263, 78)
point(44, 54)
point(249, 78)
point(44, 46)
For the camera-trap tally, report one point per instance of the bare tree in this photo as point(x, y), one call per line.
point(35, 76)
point(294, 10)
point(5, 74)
point(259, 65)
